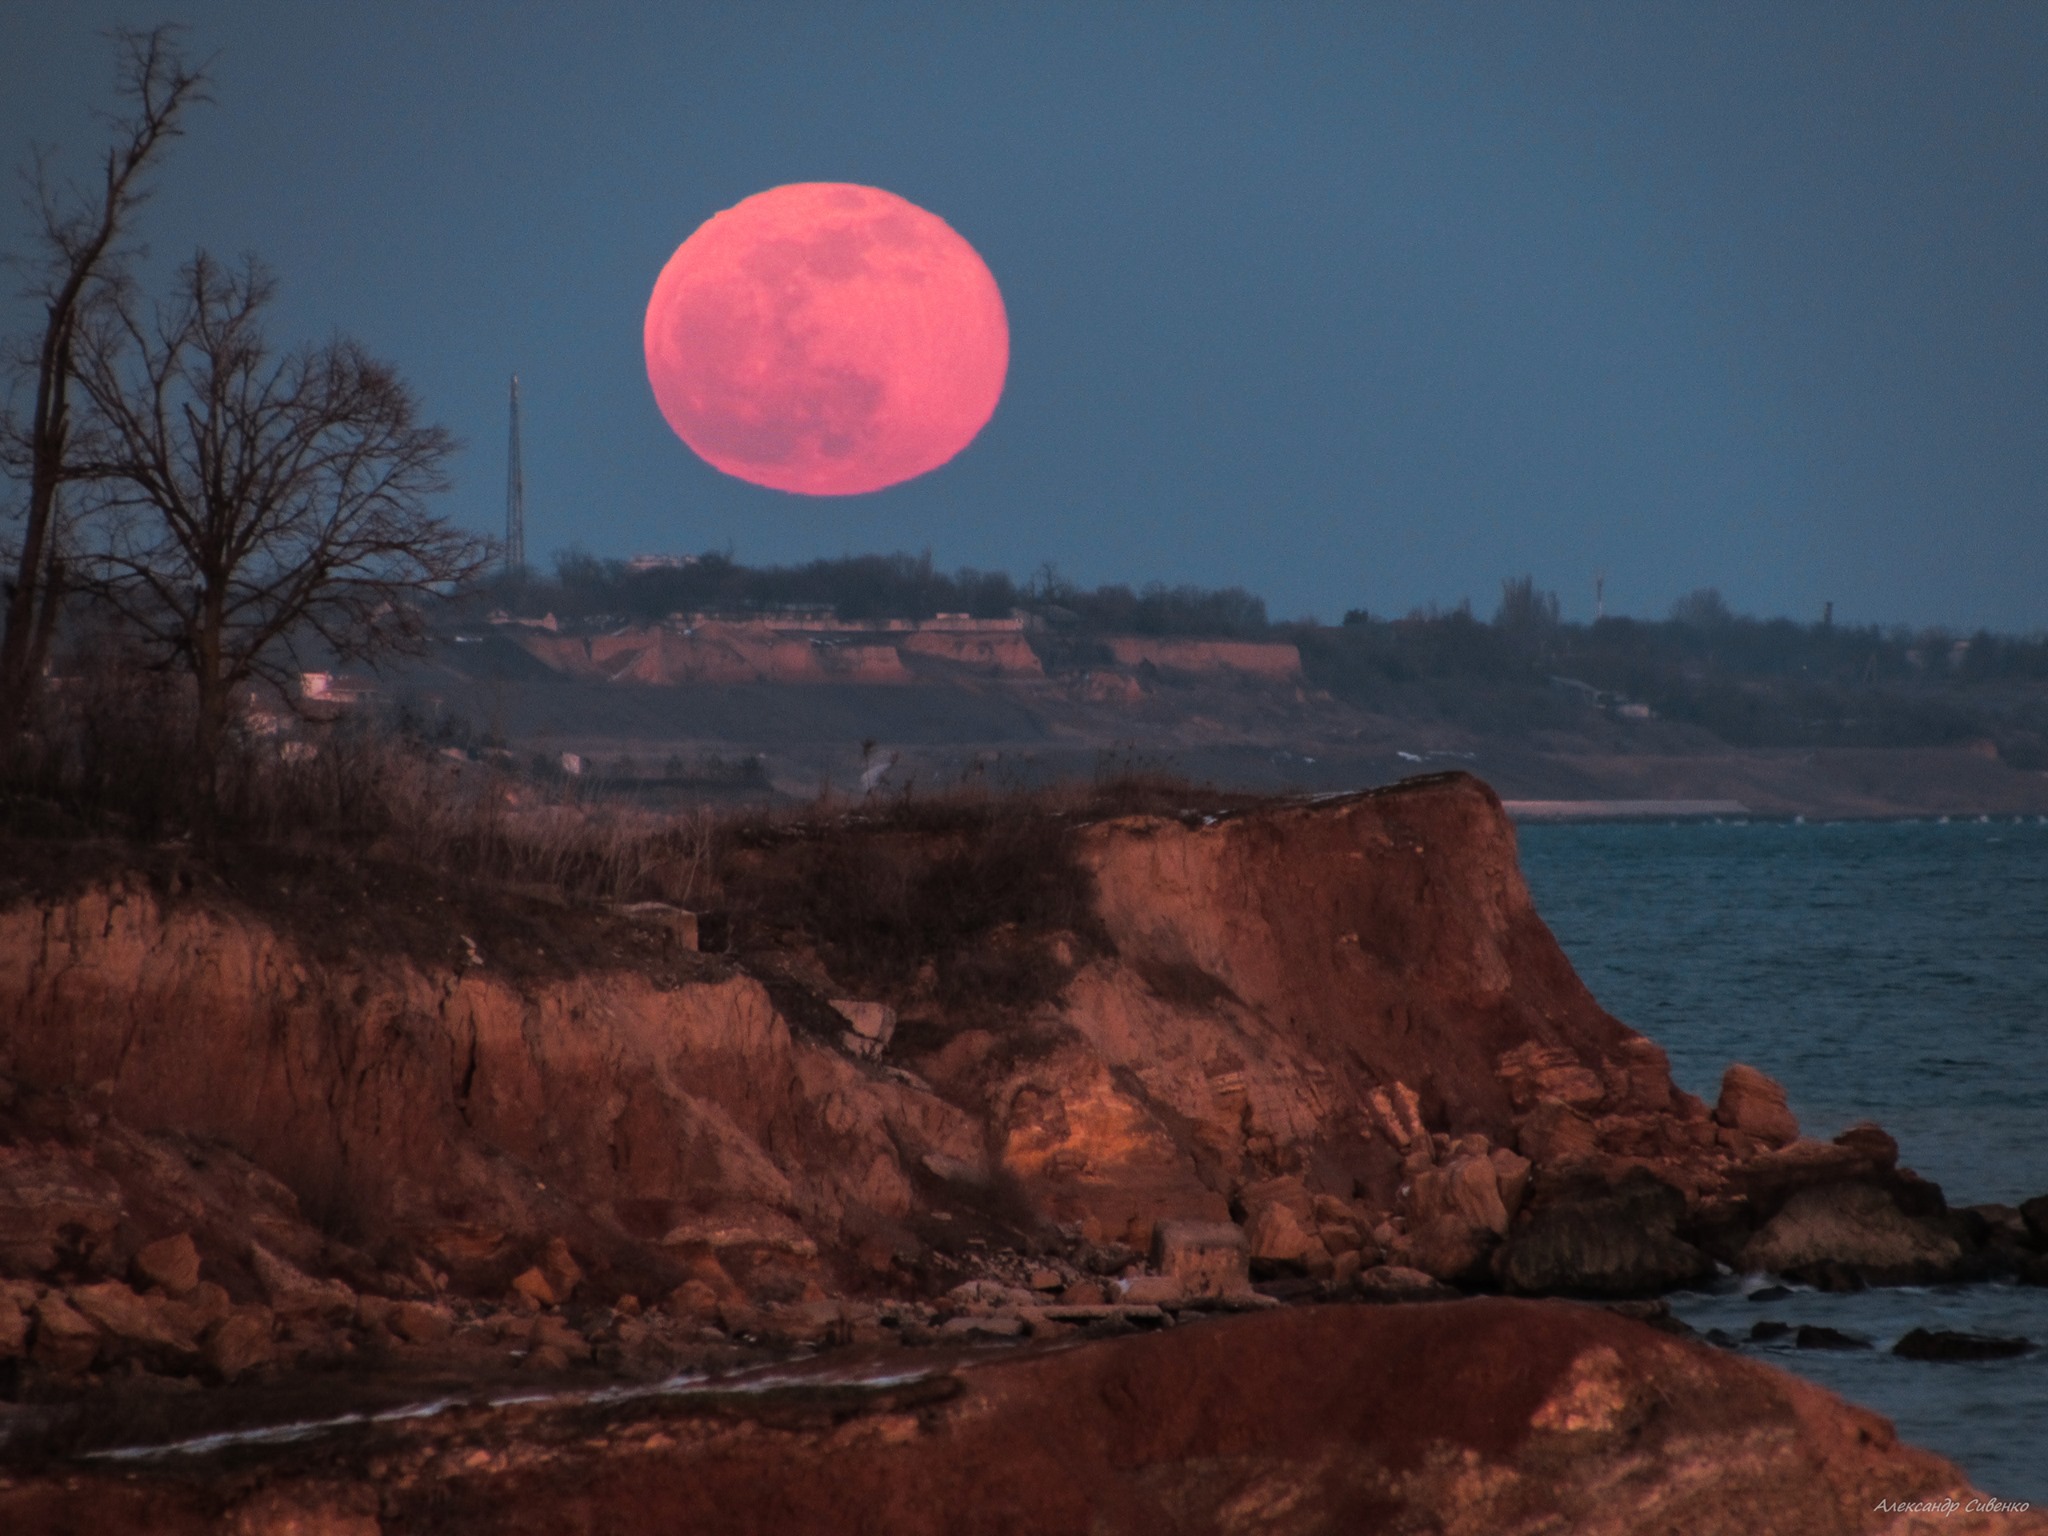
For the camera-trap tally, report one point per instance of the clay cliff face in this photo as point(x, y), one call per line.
point(1340, 1023)
point(946, 1080)
point(1267, 975)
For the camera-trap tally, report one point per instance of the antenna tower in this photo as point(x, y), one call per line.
point(515, 495)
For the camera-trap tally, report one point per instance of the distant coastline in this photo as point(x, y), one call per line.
point(1621, 810)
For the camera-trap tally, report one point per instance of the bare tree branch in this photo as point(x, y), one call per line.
point(238, 501)
point(78, 263)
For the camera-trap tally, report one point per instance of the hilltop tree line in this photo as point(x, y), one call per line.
point(588, 590)
point(1751, 682)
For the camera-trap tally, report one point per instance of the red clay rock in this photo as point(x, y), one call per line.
point(292, 1292)
point(242, 1342)
point(563, 1273)
point(1467, 1188)
point(1276, 1237)
point(1447, 1247)
point(1755, 1105)
point(1338, 993)
point(606, 1111)
point(136, 1326)
point(421, 1322)
point(1873, 1143)
point(14, 1321)
point(171, 1262)
point(1487, 1415)
point(66, 1341)
point(1510, 1177)
point(1206, 1258)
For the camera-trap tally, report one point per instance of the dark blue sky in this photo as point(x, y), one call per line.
point(1350, 304)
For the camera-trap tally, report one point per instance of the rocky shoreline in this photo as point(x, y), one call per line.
point(1271, 1056)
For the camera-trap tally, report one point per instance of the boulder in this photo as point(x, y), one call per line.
point(871, 1026)
point(1277, 1239)
point(693, 1300)
point(169, 1262)
point(420, 1322)
point(1152, 1291)
point(1989, 1224)
point(1621, 1241)
point(292, 1292)
point(2034, 1213)
point(1467, 1188)
point(563, 1273)
point(1943, 1344)
point(205, 1305)
point(1854, 1226)
point(550, 1332)
point(138, 1327)
point(1342, 1237)
point(1873, 1143)
point(1207, 1258)
point(1755, 1105)
point(531, 1290)
point(1448, 1248)
point(1398, 1110)
point(65, 1341)
point(14, 1320)
point(1510, 1177)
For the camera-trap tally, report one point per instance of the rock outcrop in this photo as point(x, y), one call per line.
point(1326, 1049)
point(1231, 1028)
point(1338, 1024)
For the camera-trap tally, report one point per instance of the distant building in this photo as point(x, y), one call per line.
point(334, 688)
point(661, 562)
point(548, 623)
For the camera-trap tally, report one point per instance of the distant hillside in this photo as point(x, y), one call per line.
point(1740, 681)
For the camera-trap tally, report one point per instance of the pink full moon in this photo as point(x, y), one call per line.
point(827, 339)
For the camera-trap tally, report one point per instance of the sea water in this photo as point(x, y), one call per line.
point(1886, 971)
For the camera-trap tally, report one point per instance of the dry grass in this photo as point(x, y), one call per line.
point(110, 758)
point(951, 900)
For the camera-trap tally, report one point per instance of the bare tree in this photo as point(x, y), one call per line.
point(243, 503)
point(78, 261)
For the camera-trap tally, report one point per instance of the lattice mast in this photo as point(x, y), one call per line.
point(515, 495)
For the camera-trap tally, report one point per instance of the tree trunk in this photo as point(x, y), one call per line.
point(31, 608)
point(209, 731)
